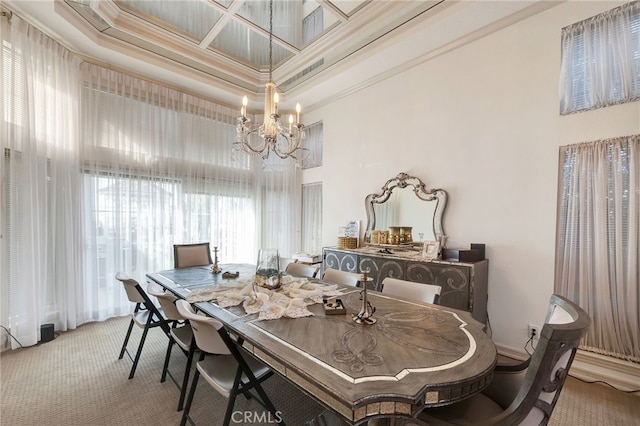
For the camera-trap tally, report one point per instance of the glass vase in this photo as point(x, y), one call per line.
point(268, 268)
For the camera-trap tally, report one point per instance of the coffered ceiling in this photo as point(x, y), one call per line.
point(321, 48)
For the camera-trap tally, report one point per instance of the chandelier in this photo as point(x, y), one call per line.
point(284, 140)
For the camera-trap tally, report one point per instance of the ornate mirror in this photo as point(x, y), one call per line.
point(405, 201)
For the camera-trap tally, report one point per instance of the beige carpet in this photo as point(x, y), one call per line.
point(78, 380)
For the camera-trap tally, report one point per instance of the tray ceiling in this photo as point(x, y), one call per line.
point(223, 45)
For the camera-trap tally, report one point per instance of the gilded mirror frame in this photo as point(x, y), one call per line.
point(403, 180)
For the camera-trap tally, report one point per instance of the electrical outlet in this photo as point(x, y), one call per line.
point(533, 331)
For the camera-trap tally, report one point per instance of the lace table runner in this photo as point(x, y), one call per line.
point(290, 300)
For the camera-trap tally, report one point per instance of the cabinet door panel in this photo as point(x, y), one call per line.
point(340, 261)
point(420, 273)
point(379, 268)
point(454, 281)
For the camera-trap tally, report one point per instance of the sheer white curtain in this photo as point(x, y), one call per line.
point(600, 63)
point(158, 171)
point(314, 143)
point(42, 244)
point(312, 218)
point(280, 206)
point(103, 172)
point(598, 241)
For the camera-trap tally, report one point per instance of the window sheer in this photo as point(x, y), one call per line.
point(312, 218)
point(104, 172)
point(313, 142)
point(598, 241)
point(601, 60)
point(42, 268)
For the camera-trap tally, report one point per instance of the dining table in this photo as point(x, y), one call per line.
point(409, 357)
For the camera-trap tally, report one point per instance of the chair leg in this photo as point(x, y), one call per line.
point(187, 371)
point(267, 402)
point(126, 340)
point(139, 351)
point(232, 396)
point(185, 414)
point(167, 357)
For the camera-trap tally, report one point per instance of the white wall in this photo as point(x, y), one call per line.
point(481, 122)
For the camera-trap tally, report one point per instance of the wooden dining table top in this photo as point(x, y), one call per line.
point(415, 356)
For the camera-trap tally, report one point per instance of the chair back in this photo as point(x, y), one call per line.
point(302, 270)
point(132, 288)
point(186, 255)
point(428, 293)
point(285, 261)
point(560, 336)
point(137, 295)
point(166, 300)
point(206, 330)
point(341, 277)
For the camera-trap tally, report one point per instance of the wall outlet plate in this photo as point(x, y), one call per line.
point(533, 331)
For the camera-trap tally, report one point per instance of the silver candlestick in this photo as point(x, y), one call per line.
point(215, 269)
point(365, 316)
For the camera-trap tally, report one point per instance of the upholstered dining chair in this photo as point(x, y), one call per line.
point(302, 270)
point(341, 277)
point(146, 315)
point(186, 255)
point(180, 334)
point(526, 395)
point(229, 372)
point(428, 293)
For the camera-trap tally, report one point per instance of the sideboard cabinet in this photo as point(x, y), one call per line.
point(464, 285)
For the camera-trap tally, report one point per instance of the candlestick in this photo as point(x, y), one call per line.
point(215, 269)
point(365, 316)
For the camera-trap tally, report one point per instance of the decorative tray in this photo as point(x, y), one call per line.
point(333, 307)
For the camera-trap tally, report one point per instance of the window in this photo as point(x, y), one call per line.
point(601, 60)
point(312, 25)
point(598, 241)
point(313, 143)
point(312, 218)
point(132, 223)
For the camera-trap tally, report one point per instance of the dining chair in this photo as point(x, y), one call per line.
point(303, 270)
point(186, 255)
point(229, 372)
point(341, 277)
point(146, 315)
point(285, 261)
point(180, 334)
point(526, 395)
point(428, 293)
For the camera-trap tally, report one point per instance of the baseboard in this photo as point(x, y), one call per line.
point(591, 367)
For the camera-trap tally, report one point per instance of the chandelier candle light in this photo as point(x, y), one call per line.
point(271, 136)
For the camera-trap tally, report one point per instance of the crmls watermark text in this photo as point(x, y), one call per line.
point(248, 417)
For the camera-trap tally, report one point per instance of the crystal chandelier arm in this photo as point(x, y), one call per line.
point(293, 138)
point(244, 130)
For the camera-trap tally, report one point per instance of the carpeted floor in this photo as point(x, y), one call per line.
point(78, 380)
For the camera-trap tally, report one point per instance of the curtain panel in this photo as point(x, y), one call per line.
point(600, 63)
point(41, 215)
point(598, 241)
point(103, 172)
